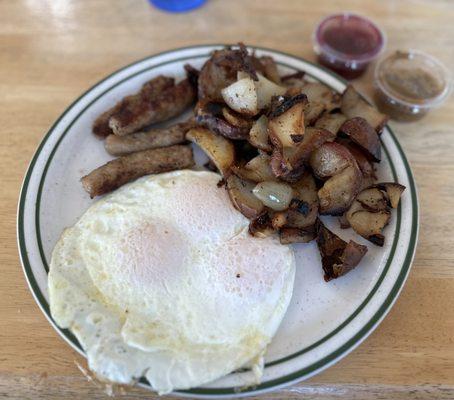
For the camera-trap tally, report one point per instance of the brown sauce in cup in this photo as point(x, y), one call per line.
point(409, 84)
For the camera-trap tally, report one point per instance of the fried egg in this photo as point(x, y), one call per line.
point(161, 279)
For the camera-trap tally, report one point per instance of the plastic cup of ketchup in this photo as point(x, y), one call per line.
point(346, 43)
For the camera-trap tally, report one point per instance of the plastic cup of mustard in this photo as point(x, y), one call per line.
point(409, 84)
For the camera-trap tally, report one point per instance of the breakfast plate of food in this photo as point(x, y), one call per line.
point(217, 221)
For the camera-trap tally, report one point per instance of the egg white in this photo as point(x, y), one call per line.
point(161, 279)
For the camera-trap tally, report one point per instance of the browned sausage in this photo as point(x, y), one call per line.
point(169, 103)
point(152, 139)
point(124, 169)
point(149, 90)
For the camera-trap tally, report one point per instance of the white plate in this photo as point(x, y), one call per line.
point(325, 321)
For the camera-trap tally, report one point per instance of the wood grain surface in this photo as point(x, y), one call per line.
point(53, 50)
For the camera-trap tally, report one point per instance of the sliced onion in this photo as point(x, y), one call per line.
point(275, 195)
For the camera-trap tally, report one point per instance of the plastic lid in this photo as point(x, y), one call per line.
point(349, 37)
point(413, 78)
point(177, 5)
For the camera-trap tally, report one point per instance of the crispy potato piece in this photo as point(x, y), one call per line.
point(152, 139)
point(312, 112)
point(258, 135)
point(286, 121)
point(261, 226)
point(313, 138)
point(295, 80)
point(393, 190)
point(334, 161)
point(331, 122)
point(124, 169)
point(292, 92)
point(355, 206)
point(240, 192)
point(363, 162)
point(369, 214)
point(360, 132)
point(278, 165)
point(367, 182)
point(209, 115)
point(353, 254)
point(241, 96)
point(217, 148)
point(213, 78)
point(369, 224)
point(288, 128)
point(329, 159)
point(266, 90)
point(143, 111)
point(301, 214)
point(303, 209)
point(372, 199)
point(320, 98)
point(243, 75)
point(339, 191)
point(235, 119)
point(269, 68)
point(257, 170)
point(353, 105)
point(297, 235)
point(317, 92)
point(306, 189)
point(221, 71)
point(338, 256)
point(283, 103)
point(282, 169)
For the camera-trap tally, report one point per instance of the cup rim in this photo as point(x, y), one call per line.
point(320, 47)
point(428, 103)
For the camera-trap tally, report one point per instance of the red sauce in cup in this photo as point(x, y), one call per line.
point(347, 43)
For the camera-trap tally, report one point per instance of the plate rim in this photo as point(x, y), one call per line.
point(288, 379)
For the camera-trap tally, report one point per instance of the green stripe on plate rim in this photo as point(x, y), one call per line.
point(272, 383)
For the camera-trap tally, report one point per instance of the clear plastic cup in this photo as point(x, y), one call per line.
point(409, 84)
point(347, 43)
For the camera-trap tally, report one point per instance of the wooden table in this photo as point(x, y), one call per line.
point(52, 50)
